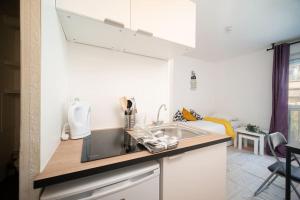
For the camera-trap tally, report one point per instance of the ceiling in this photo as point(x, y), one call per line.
point(254, 24)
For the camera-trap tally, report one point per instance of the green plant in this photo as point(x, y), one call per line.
point(252, 128)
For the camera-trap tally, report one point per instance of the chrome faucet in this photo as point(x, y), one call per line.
point(157, 122)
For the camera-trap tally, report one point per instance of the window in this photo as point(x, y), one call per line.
point(294, 101)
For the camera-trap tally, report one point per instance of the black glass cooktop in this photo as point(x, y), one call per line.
point(108, 143)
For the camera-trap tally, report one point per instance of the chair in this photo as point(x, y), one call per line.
point(279, 168)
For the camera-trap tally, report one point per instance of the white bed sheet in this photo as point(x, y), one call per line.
point(210, 127)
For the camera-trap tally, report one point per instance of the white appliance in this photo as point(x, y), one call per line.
point(138, 182)
point(79, 117)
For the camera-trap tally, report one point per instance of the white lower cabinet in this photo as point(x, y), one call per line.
point(195, 175)
point(137, 182)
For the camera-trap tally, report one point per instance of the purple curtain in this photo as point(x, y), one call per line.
point(280, 81)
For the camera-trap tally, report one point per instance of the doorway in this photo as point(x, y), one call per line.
point(9, 98)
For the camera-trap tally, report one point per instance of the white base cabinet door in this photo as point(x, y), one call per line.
point(195, 175)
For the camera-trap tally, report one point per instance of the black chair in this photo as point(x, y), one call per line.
point(279, 167)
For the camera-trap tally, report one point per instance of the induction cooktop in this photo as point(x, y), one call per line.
point(108, 143)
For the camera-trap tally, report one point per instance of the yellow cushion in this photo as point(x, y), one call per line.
point(187, 115)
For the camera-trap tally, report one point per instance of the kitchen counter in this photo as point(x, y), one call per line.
point(65, 163)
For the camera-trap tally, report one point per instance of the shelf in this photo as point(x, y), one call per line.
point(85, 30)
point(11, 22)
point(10, 64)
point(10, 92)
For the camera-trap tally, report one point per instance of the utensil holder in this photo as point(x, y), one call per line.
point(129, 122)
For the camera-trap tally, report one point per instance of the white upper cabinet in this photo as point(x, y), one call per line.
point(122, 25)
point(112, 10)
point(173, 20)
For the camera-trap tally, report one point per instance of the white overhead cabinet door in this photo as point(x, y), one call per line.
point(97, 23)
point(173, 20)
point(115, 10)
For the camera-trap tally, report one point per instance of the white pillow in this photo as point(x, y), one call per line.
point(225, 116)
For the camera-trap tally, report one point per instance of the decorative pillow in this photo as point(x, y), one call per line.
point(178, 117)
point(187, 115)
point(198, 117)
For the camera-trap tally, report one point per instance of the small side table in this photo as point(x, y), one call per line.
point(243, 133)
point(248, 137)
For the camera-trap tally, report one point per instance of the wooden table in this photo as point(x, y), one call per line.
point(291, 148)
point(261, 138)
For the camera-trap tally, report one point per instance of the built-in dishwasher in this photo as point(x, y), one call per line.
point(130, 183)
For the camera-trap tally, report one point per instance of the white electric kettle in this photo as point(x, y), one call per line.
point(79, 118)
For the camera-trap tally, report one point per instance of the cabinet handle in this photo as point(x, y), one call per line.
point(113, 23)
point(176, 156)
point(143, 32)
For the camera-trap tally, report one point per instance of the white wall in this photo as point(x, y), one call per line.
point(202, 99)
point(240, 86)
point(53, 81)
point(244, 87)
point(100, 77)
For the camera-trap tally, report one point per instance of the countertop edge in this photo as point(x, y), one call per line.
point(101, 169)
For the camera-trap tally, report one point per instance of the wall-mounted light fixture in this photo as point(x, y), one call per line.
point(193, 81)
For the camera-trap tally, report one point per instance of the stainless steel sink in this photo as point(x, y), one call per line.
point(177, 130)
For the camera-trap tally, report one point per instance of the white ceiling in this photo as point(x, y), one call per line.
point(255, 25)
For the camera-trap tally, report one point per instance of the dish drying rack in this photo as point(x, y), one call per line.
point(155, 144)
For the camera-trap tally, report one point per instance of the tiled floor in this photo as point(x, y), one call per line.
point(246, 172)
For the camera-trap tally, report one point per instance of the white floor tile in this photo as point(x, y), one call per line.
point(246, 172)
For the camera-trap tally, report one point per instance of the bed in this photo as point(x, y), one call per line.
point(212, 127)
